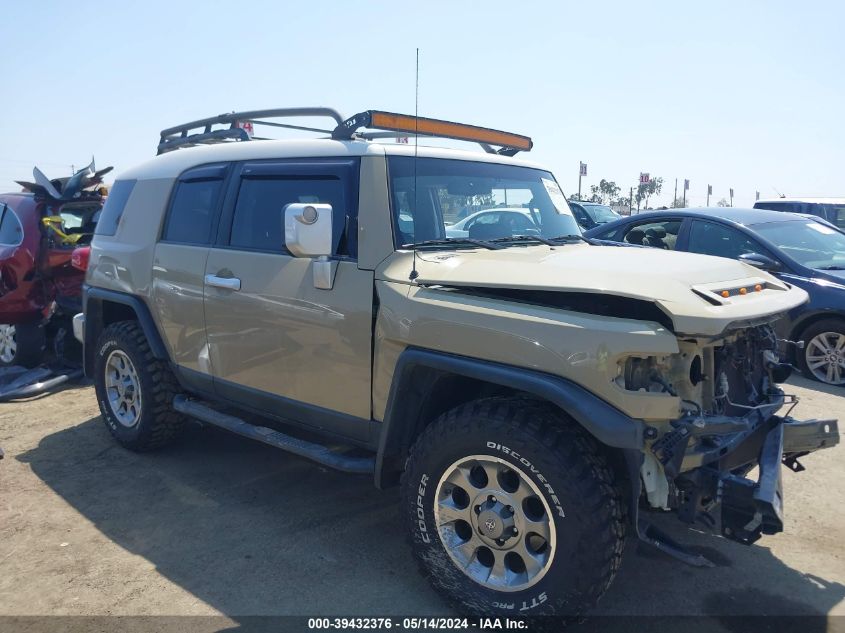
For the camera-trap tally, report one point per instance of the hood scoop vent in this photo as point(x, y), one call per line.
point(584, 302)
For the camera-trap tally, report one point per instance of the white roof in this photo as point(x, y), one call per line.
point(174, 162)
point(806, 200)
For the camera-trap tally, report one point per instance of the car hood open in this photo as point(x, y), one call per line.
point(685, 286)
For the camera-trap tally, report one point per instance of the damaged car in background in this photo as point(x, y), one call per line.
point(44, 233)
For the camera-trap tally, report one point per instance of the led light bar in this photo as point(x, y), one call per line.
point(508, 142)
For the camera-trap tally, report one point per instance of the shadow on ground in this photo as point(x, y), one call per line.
point(250, 530)
point(802, 381)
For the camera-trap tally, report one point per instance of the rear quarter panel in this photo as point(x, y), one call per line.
point(124, 262)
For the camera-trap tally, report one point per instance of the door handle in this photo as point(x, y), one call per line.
point(227, 283)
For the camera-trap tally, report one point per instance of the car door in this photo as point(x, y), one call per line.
point(18, 260)
point(179, 268)
point(276, 342)
point(713, 238)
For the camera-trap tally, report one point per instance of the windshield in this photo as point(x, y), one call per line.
point(481, 201)
point(601, 214)
point(811, 244)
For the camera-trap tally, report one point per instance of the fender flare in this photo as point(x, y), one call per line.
point(607, 424)
point(92, 302)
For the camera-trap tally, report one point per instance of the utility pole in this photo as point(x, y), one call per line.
point(582, 171)
point(709, 191)
point(675, 197)
point(631, 201)
point(579, 181)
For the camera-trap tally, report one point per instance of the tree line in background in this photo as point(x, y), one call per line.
point(609, 193)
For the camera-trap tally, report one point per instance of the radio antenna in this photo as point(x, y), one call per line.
point(414, 273)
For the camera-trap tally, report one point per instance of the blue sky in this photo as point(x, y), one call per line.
point(745, 94)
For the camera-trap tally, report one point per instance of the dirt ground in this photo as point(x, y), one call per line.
point(220, 525)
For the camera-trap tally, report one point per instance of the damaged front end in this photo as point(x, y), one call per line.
point(719, 465)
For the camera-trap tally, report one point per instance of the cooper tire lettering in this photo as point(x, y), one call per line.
point(421, 510)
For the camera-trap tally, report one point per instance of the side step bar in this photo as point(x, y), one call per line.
point(310, 450)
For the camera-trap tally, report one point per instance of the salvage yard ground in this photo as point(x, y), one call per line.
point(222, 525)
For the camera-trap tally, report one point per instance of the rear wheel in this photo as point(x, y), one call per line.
point(22, 344)
point(134, 389)
point(513, 511)
point(823, 356)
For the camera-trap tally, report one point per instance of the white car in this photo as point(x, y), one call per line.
point(495, 222)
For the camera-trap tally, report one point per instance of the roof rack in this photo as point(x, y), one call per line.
point(180, 135)
point(403, 124)
point(392, 125)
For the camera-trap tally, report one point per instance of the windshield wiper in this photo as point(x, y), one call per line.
point(833, 267)
point(572, 237)
point(449, 241)
point(526, 238)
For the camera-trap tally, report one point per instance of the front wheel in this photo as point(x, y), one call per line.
point(823, 356)
point(513, 511)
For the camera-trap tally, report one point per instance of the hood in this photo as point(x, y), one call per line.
point(685, 286)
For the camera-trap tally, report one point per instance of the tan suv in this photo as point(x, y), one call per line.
point(536, 395)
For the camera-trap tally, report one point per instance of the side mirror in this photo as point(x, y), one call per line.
point(308, 229)
point(763, 262)
point(308, 233)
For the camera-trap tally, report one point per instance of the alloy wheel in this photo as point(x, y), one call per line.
point(123, 388)
point(494, 522)
point(8, 343)
point(825, 356)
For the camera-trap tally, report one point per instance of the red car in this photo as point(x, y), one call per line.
point(40, 289)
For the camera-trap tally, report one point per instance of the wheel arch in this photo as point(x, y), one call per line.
point(102, 308)
point(811, 319)
point(427, 383)
point(800, 325)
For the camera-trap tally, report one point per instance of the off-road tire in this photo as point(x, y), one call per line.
point(590, 536)
point(31, 341)
point(158, 423)
point(820, 327)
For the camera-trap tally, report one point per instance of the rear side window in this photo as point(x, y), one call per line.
point(656, 234)
point(257, 222)
point(194, 206)
point(11, 231)
point(113, 209)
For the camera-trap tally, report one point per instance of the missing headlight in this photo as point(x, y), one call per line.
point(637, 373)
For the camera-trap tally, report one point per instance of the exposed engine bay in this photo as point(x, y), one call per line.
point(726, 376)
point(697, 465)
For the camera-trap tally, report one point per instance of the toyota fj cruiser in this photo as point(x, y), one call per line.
point(534, 394)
